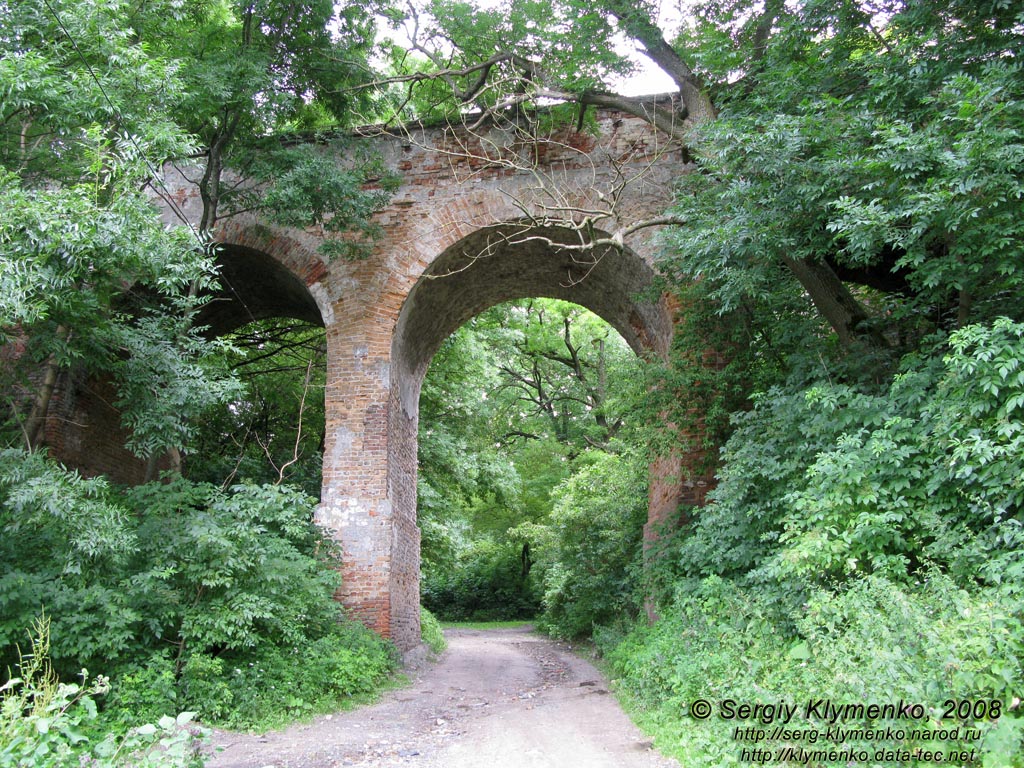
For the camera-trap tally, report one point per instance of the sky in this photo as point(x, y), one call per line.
point(647, 80)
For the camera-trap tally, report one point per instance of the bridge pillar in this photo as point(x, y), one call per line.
point(380, 546)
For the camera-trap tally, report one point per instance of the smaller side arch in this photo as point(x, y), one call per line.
point(84, 429)
point(263, 275)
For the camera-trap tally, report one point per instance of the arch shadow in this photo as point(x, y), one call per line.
point(255, 286)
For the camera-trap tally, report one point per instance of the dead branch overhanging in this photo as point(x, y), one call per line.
point(525, 80)
point(549, 202)
point(546, 203)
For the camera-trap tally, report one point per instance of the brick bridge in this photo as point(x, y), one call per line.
point(454, 244)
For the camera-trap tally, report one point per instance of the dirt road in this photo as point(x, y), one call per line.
point(496, 699)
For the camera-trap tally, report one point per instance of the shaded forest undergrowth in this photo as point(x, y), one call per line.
point(864, 545)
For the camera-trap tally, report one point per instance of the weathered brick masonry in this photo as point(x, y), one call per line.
point(453, 245)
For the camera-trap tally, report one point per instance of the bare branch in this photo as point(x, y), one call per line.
point(298, 432)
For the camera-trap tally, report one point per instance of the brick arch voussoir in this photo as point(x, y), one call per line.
point(295, 256)
point(440, 227)
point(522, 270)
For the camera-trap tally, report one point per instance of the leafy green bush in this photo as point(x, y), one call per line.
point(273, 685)
point(205, 688)
point(872, 641)
point(935, 477)
point(431, 632)
point(146, 689)
point(180, 564)
point(50, 724)
point(226, 570)
point(487, 583)
point(65, 542)
point(595, 544)
point(833, 480)
point(861, 546)
point(189, 596)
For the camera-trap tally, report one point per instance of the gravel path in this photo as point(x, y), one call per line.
point(496, 699)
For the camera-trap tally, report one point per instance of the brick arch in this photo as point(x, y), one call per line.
point(254, 286)
point(264, 274)
point(507, 262)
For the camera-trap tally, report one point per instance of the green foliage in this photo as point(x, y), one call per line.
point(489, 581)
point(169, 376)
point(82, 100)
point(235, 566)
point(575, 42)
point(594, 546)
point(865, 540)
point(431, 632)
point(850, 143)
point(189, 596)
point(166, 563)
point(834, 480)
point(92, 279)
point(863, 544)
point(64, 541)
point(275, 684)
point(460, 469)
point(147, 689)
point(172, 587)
point(71, 258)
point(255, 73)
point(204, 687)
point(308, 188)
point(720, 352)
point(273, 430)
point(49, 723)
point(515, 404)
point(871, 640)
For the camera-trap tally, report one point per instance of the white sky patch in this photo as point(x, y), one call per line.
point(648, 79)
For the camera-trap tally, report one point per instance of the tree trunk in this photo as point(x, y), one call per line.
point(36, 420)
point(638, 25)
point(835, 302)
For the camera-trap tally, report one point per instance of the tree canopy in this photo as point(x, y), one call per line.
point(89, 271)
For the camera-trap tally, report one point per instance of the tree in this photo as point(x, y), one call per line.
point(96, 99)
point(515, 403)
point(557, 367)
point(273, 430)
point(91, 278)
point(852, 144)
point(264, 85)
point(188, 594)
